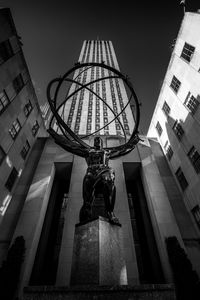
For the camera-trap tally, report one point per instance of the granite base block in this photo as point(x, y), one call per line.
point(98, 254)
point(139, 292)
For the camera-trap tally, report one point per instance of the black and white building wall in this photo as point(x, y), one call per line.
point(149, 202)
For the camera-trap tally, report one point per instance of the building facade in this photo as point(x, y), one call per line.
point(85, 112)
point(176, 119)
point(20, 123)
point(146, 190)
point(148, 202)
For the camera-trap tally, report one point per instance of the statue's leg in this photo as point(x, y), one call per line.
point(86, 210)
point(109, 193)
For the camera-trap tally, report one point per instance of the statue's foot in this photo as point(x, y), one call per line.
point(113, 219)
point(85, 214)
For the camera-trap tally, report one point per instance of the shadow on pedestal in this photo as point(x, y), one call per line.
point(98, 255)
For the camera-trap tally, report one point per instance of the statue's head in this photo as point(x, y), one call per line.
point(98, 143)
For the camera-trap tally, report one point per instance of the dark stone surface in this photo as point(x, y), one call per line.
point(138, 292)
point(98, 256)
point(112, 266)
point(85, 263)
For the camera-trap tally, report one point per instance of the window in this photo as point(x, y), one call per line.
point(70, 119)
point(181, 179)
point(25, 76)
point(194, 157)
point(166, 109)
point(35, 128)
point(77, 127)
point(165, 146)
point(169, 152)
point(5, 51)
point(196, 214)
point(126, 127)
point(178, 130)
point(187, 52)
point(18, 83)
point(105, 113)
point(25, 150)
point(14, 130)
point(28, 108)
point(2, 155)
point(11, 179)
point(175, 84)
point(192, 103)
point(125, 120)
point(159, 128)
point(3, 100)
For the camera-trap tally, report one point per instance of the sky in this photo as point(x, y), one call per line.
point(142, 33)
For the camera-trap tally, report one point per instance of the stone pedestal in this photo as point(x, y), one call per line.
point(99, 270)
point(98, 256)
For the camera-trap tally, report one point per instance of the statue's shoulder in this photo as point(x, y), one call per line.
point(91, 151)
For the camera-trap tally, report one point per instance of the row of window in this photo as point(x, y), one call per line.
point(23, 152)
point(126, 127)
point(175, 84)
point(6, 51)
point(191, 102)
point(192, 154)
point(8, 94)
point(181, 179)
point(194, 158)
point(196, 214)
point(11, 179)
point(178, 130)
point(14, 173)
point(73, 104)
point(84, 54)
point(8, 48)
point(187, 52)
point(105, 113)
point(96, 49)
point(99, 51)
point(16, 127)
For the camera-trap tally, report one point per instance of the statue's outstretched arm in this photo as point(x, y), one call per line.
point(129, 147)
point(67, 144)
point(115, 154)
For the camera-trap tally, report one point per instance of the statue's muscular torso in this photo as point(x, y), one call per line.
point(97, 159)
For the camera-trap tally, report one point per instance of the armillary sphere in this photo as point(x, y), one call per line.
point(56, 102)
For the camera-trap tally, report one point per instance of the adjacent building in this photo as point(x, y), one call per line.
point(176, 119)
point(20, 124)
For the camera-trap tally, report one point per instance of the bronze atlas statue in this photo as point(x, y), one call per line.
point(98, 173)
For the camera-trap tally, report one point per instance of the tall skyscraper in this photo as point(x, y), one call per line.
point(85, 112)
